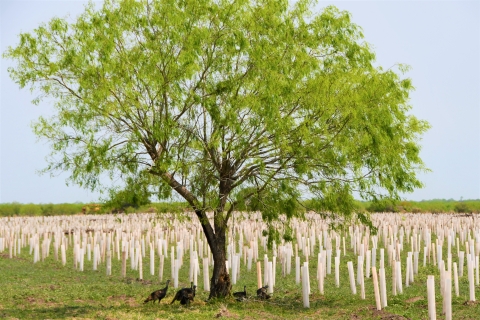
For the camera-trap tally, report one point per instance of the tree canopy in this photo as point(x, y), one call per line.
point(133, 194)
point(212, 98)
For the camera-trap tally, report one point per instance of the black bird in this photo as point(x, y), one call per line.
point(262, 293)
point(188, 296)
point(158, 295)
point(182, 293)
point(241, 295)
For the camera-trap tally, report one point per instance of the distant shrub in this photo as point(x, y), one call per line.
point(381, 206)
point(461, 207)
point(30, 209)
point(173, 207)
point(405, 206)
point(130, 210)
point(473, 205)
point(47, 209)
point(67, 208)
point(436, 210)
point(10, 209)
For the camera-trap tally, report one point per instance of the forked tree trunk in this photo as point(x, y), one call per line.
point(220, 285)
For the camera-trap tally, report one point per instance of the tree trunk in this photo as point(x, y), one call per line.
point(220, 285)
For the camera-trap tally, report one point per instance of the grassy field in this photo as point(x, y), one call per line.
point(48, 290)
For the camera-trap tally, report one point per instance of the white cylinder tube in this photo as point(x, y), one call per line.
point(306, 301)
point(383, 288)
point(352, 277)
point(432, 313)
point(337, 271)
point(376, 289)
point(206, 282)
point(455, 278)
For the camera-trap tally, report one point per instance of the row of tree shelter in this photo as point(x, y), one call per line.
point(451, 243)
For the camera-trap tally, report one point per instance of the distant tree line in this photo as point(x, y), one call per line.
point(49, 209)
point(432, 206)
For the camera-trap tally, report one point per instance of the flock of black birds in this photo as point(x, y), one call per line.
point(261, 294)
point(185, 295)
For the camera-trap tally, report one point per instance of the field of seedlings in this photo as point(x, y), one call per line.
point(417, 266)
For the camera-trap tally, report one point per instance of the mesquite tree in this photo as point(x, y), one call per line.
point(220, 102)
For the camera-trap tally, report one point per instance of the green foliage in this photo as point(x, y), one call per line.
point(10, 209)
point(50, 209)
point(44, 209)
point(247, 202)
point(214, 97)
point(63, 209)
point(165, 207)
point(133, 195)
point(30, 209)
point(432, 206)
point(424, 206)
point(384, 205)
point(461, 207)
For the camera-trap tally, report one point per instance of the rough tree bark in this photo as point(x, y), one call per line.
point(220, 284)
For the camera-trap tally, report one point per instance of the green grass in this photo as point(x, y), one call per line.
point(48, 290)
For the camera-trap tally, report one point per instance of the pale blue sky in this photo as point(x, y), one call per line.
point(440, 40)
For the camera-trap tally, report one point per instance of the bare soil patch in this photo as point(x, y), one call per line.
point(131, 301)
point(41, 302)
point(414, 299)
point(224, 313)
